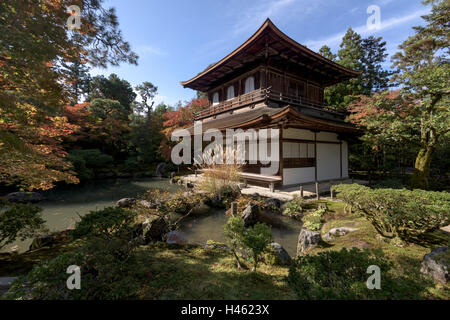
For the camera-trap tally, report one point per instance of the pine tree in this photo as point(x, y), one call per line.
point(423, 66)
point(77, 78)
point(339, 96)
point(326, 52)
point(375, 78)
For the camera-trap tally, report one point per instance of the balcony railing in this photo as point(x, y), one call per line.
point(253, 97)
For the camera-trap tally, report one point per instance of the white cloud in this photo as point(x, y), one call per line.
point(145, 50)
point(364, 31)
point(254, 16)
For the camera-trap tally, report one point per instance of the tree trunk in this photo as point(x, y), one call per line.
point(421, 173)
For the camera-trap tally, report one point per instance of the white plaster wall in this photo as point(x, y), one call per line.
point(293, 133)
point(344, 159)
point(328, 164)
point(327, 136)
point(298, 175)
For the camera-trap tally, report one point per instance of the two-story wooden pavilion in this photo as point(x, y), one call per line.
point(271, 81)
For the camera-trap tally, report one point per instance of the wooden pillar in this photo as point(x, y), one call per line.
point(280, 164)
point(317, 191)
point(340, 156)
point(315, 156)
point(301, 191)
point(331, 190)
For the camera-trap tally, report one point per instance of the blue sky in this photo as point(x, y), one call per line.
point(177, 39)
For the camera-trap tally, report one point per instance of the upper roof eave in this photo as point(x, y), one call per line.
point(268, 25)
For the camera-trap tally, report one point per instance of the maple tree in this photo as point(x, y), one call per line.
point(182, 117)
point(35, 43)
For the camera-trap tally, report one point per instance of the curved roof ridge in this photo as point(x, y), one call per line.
point(268, 24)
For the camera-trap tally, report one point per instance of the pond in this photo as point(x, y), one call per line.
point(64, 206)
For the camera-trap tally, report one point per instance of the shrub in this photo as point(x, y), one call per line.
point(93, 158)
point(343, 275)
point(314, 220)
point(253, 239)
point(408, 215)
point(108, 271)
point(19, 221)
point(294, 207)
point(107, 222)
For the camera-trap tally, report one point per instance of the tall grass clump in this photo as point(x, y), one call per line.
point(220, 179)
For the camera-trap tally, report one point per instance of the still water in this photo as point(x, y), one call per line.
point(64, 207)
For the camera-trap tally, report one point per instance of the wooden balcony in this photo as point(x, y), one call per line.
point(255, 96)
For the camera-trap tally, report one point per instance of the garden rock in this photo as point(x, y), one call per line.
point(250, 214)
point(212, 245)
point(125, 202)
point(159, 172)
point(189, 185)
point(175, 237)
point(337, 232)
point(50, 240)
point(283, 256)
point(24, 197)
point(307, 239)
point(5, 284)
point(436, 263)
point(147, 204)
point(273, 203)
point(154, 228)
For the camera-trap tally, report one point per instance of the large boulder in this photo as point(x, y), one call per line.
point(125, 202)
point(154, 228)
point(282, 257)
point(436, 264)
point(175, 237)
point(307, 239)
point(24, 197)
point(250, 214)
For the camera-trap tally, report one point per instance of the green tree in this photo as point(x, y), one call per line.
point(326, 52)
point(424, 74)
point(112, 88)
point(253, 239)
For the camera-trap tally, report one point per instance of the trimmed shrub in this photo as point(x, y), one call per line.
point(343, 275)
point(107, 222)
point(410, 215)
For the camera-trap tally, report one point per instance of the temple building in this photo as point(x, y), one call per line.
point(271, 81)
